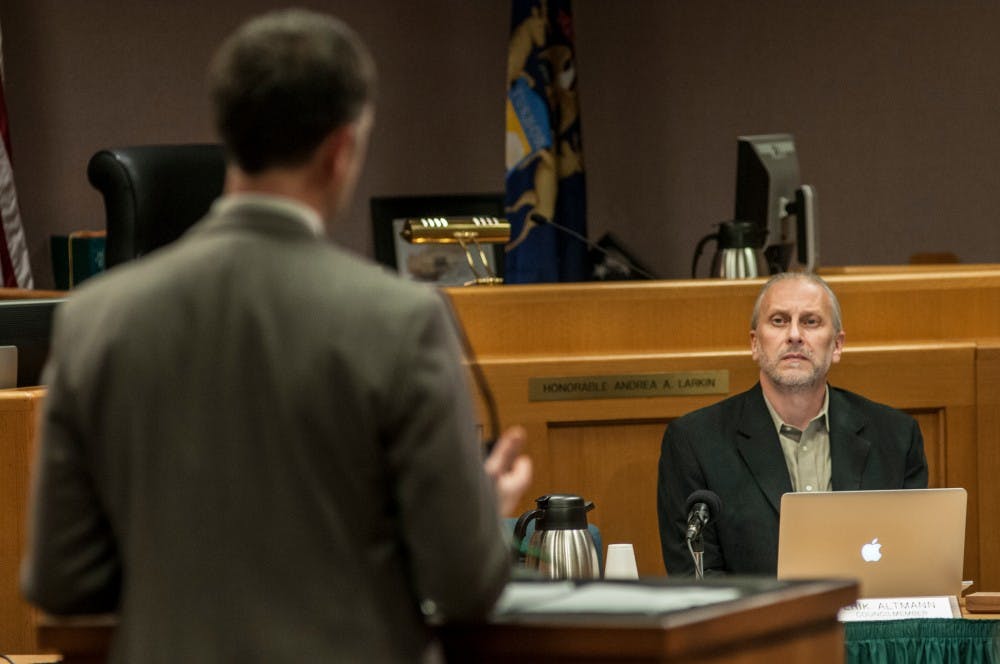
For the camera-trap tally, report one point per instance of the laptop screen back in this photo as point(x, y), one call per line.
point(903, 543)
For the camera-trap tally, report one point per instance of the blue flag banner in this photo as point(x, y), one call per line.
point(544, 149)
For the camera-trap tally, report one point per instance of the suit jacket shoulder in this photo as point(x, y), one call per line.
point(873, 446)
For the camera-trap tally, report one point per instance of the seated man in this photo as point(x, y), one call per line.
point(790, 432)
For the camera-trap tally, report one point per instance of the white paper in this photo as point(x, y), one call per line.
point(900, 608)
point(520, 596)
point(607, 598)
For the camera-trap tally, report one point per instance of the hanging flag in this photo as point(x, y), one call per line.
point(14, 263)
point(544, 150)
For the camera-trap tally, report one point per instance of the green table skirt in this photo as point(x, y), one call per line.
point(927, 641)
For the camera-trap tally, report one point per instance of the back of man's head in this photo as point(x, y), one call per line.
point(282, 82)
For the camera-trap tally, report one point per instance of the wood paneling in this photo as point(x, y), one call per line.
point(18, 419)
point(924, 342)
point(988, 460)
point(607, 449)
point(795, 624)
point(28, 294)
point(709, 315)
point(914, 341)
point(614, 465)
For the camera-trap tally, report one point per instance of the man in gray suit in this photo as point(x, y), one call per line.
point(790, 432)
point(256, 447)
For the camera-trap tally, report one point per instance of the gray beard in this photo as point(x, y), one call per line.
point(796, 383)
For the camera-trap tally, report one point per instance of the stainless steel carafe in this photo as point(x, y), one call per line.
point(561, 546)
point(739, 251)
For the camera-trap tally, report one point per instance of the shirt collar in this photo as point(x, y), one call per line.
point(279, 204)
point(822, 415)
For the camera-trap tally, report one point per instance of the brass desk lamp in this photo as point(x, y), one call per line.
point(468, 232)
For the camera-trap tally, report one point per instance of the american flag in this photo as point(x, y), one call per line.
point(14, 263)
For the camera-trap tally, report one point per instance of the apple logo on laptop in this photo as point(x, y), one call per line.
point(872, 551)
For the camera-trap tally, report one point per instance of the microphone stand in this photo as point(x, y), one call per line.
point(696, 546)
point(702, 505)
point(542, 220)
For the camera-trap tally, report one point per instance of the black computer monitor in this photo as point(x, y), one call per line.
point(27, 325)
point(769, 193)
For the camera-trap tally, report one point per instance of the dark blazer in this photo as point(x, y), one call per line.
point(732, 448)
point(257, 447)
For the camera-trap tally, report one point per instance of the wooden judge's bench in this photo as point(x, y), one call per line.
point(924, 339)
point(584, 368)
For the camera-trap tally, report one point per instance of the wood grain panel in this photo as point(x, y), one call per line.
point(914, 268)
point(586, 329)
point(917, 340)
point(932, 428)
point(712, 314)
point(615, 466)
point(29, 294)
point(988, 458)
point(18, 419)
point(607, 449)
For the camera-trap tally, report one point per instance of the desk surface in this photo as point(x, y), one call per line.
point(68, 634)
point(770, 621)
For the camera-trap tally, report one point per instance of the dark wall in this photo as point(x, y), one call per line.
point(894, 105)
point(87, 75)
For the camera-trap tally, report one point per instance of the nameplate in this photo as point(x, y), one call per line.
point(900, 608)
point(628, 386)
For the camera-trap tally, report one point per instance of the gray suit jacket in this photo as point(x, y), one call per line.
point(732, 448)
point(258, 448)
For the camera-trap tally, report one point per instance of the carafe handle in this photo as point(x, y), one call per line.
point(520, 530)
point(697, 252)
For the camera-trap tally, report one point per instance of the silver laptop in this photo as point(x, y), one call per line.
point(904, 543)
point(8, 366)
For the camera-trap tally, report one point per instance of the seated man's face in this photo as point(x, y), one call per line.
point(795, 342)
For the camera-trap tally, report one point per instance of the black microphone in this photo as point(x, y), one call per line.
point(702, 506)
point(542, 220)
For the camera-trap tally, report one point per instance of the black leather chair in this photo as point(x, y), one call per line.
point(153, 193)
